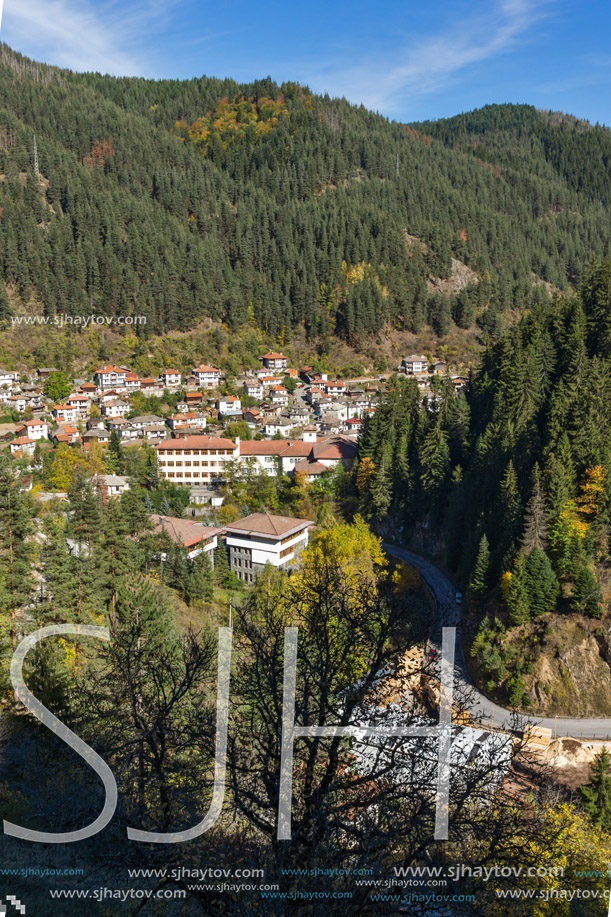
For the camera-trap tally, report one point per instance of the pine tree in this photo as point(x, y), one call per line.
point(543, 587)
point(434, 459)
point(222, 570)
point(586, 590)
point(535, 518)
point(115, 458)
point(596, 795)
point(200, 583)
point(518, 598)
point(478, 581)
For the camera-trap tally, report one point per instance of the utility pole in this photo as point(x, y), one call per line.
point(397, 165)
point(36, 169)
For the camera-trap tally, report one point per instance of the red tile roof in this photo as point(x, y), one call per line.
point(264, 447)
point(182, 531)
point(197, 442)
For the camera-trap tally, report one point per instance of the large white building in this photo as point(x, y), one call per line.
point(195, 459)
point(262, 539)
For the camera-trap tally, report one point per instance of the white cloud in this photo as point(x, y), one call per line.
point(429, 63)
point(107, 37)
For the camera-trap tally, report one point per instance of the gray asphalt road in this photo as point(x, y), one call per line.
point(481, 706)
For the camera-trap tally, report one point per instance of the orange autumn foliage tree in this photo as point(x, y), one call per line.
point(232, 118)
point(592, 496)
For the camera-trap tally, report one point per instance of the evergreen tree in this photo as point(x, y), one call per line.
point(596, 795)
point(542, 585)
point(535, 518)
point(518, 598)
point(115, 458)
point(587, 596)
point(222, 570)
point(478, 581)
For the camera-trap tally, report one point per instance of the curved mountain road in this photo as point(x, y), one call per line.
point(485, 709)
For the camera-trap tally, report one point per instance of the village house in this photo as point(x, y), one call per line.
point(43, 372)
point(34, 429)
point(65, 413)
point(17, 402)
point(132, 383)
point(96, 436)
point(253, 388)
point(207, 376)
point(170, 378)
point(193, 400)
point(268, 381)
point(110, 376)
point(252, 416)
point(335, 388)
point(8, 378)
point(278, 395)
point(111, 485)
point(96, 423)
point(274, 425)
point(108, 396)
point(81, 403)
point(229, 405)
point(23, 445)
point(260, 539)
point(66, 433)
point(189, 419)
point(114, 409)
point(194, 536)
point(274, 361)
point(414, 363)
point(329, 451)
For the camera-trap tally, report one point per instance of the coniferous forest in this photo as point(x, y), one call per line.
point(266, 203)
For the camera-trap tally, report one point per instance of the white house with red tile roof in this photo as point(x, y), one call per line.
point(196, 537)
point(110, 376)
point(273, 360)
point(170, 378)
point(65, 413)
point(229, 404)
point(132, 382)
point(207, 376)
point(278, 394)
point(81, 402)
point(186, 419)
point(335, 388)
point(23, 445)
point(34, 429)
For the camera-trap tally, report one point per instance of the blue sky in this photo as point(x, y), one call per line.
point(408, 60)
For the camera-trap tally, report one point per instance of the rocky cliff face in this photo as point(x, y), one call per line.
point(572, 672)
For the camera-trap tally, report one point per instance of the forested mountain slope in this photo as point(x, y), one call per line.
point(270, 205)
point(510, 483)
